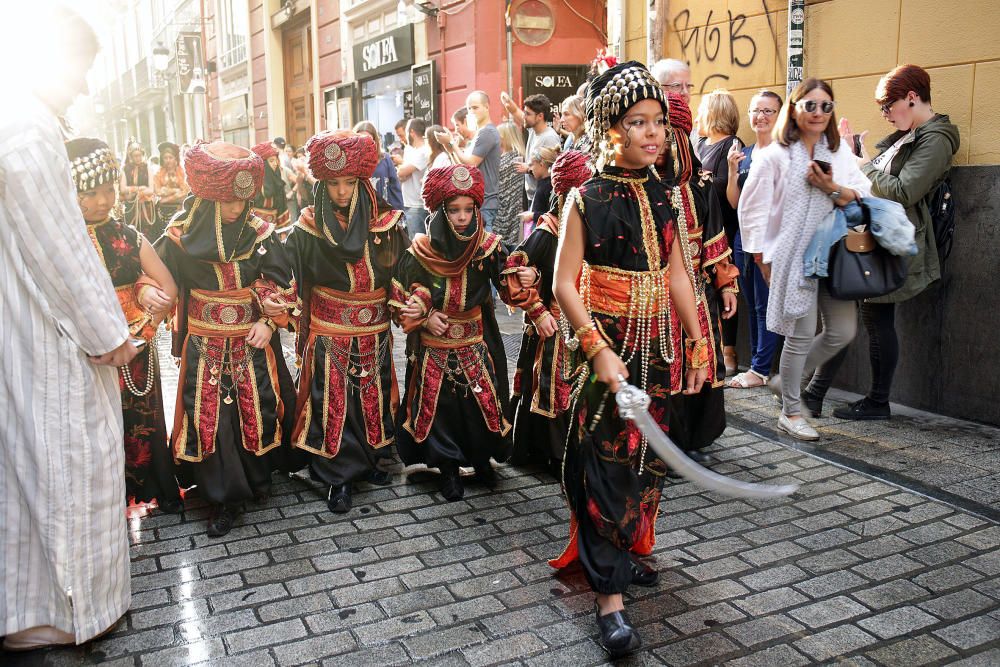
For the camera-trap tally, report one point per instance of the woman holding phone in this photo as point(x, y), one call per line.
point(796, 181)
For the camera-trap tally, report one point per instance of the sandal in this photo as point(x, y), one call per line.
point(746, 380)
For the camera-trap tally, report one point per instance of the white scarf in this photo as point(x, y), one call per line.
point(792, 294)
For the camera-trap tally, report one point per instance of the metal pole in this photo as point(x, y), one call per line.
point(796, 43)
point(510, 48)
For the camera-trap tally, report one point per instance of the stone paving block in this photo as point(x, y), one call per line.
point(441, 641)
point(725, 527)
point(723, 510)
point(582, 653)
point(385, 631)
point(775, 515)
point(445, 555)
point(485, 585)
point(896, 564)
point(322, 531)
point(153, 598)
point(181, 611)
point(320, 547)
point(831, 583)
point(920, 650)
point(343, 619)
point(295, 569)
point(890, 594)
point(570, 631)
point(234, 564)
point(772, 552)
point(989, 658)
point(834, 642)
point(258, 543)
point(314, 648)
point(958, 604)
point(296, 606)
point(519, 620)
point(988, 563)
point(480, 517)
point(827, 539)
point(939, 553)
point(835, 559)
point(435, 575)
point(822, 503)
point(826, 612)
point(723, 567)
point(135, 642)
point(897, 622)
point(708, 648)
point(971, 633)
point(704, 550)
point(539, 593)
point(705, 617)
point(711, 592)
point(504, 650)
point(189, 654)
point(387, 568)
point(247, 597)
point(501, 561)
point(822, 520)
point(466, 610)
point(265, 635)
point(866, 491)
point(925, 512)
point(946, 578)
point(991, 588)
point(369, 539)
point(237, 534)
point(928, 533)
point(764, 629)
point(432, 527)
point(407, 547)
point(786, 656)
point(149, 582)
point(767, 602)
point(773, 534)
point(335, 580)
point(773, 577)
point(367, 592)
point(965, 521)
point(217, 624)
point(342, 558)
point(252, 659)
point(406, 603)
point(880, 547)
point(380, 521)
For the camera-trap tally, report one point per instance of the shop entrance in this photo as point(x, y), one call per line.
point(387, 99)
point(297, 52)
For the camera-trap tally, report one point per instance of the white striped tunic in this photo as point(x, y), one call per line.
point(63, 541)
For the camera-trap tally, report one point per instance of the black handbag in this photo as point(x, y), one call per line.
point(860, 268)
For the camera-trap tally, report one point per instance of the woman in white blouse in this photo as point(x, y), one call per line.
point(793, 185)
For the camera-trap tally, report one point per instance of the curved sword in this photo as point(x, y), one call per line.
point(633, 404)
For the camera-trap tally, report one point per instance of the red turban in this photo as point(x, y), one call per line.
point(338, 153)
point(265, 149)
point(680, 113)
point(221, 171)
point(455, 180)
point(569, 171)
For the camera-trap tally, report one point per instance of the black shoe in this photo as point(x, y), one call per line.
point(813, 403)
point(644, 575)
point(174, 506)
point(863, 410)
point(261, 497)
point(486, 476)
point(221, 520)
point(618, 637)
point(379, 477)
point(451, 486)
point(338, 499)
point(698, 456)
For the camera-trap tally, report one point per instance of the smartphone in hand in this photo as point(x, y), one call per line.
point(824, 165)
point(857, 145)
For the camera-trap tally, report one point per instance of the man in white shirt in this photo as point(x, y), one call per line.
point(537, 115)
point(410, 170)
point(64, 562)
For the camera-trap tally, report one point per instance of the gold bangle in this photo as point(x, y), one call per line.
point(696, 353)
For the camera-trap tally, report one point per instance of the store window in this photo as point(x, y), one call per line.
point(387, 99)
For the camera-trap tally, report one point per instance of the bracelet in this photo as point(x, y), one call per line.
point(731, 289)
point(696, 353)
point(591, 341)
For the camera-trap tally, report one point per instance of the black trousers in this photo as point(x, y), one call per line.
point(879, 320)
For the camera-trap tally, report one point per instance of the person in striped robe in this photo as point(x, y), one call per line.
point(64, 568)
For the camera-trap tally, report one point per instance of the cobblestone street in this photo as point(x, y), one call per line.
point(848, 569)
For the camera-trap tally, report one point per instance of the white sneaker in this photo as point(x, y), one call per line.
point(797, 428)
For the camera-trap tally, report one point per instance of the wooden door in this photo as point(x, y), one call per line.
point(297, 50)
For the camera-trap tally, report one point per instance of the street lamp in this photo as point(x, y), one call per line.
point(161, 58)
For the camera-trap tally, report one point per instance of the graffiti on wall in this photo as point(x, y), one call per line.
point(719, 46)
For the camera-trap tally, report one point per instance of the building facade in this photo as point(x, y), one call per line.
point(321, 64)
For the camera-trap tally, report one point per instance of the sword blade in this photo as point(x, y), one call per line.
point(633, 404)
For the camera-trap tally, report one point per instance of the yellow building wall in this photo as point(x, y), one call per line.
point(740, 45)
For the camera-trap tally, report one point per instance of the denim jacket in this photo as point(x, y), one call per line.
point(889, 225)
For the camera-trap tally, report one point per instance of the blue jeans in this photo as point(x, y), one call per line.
point(416, 217)
point(755, 290)
point(488, 215)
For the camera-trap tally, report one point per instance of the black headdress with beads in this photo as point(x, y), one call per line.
point(92, 163)
point(612, 93)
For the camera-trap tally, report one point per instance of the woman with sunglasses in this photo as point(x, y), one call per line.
point(795, 183)
point(911, 163)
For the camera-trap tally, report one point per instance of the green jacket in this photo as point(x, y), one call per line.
point(915, 173)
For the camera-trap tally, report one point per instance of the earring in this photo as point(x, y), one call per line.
point(911, 104)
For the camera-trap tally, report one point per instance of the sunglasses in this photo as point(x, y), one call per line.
point(809, 106)
point(887, 107)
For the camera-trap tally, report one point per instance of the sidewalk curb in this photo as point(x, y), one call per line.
point(817, 450)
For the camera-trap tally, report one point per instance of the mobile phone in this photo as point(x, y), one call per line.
point(138, 343)
point(857, 145)
point(824, 165)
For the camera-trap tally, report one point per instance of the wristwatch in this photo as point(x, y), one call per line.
point(835, 195)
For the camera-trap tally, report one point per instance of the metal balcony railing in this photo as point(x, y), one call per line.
point(236, 54)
